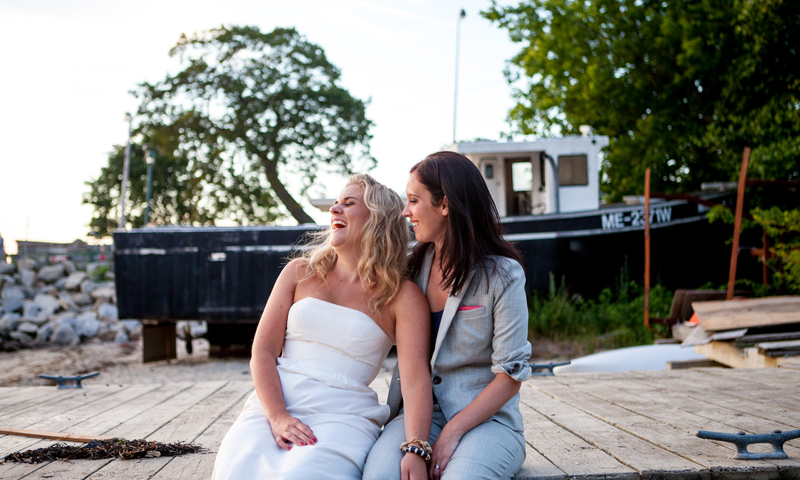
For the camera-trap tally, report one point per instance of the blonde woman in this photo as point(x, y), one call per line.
point(335, 313)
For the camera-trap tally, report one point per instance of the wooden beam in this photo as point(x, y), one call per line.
point(66, 437)
point(737, 224)
point(647, 248)
point(747, 313)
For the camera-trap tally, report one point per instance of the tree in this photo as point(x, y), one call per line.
point(184, 191)
point(246, 107)
point(678, 86)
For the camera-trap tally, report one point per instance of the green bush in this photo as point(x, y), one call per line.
point(614, 319)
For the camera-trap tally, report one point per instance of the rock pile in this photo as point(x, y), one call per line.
point(59, 304)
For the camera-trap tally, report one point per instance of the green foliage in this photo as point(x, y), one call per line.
point(783, 227)
point(614, 320)
point(245, 107)
point(680, 87)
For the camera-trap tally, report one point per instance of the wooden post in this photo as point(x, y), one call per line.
point(765, 244)
point(647, 248)
point(737, 224)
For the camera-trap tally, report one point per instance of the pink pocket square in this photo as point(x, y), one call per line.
point(468, 307)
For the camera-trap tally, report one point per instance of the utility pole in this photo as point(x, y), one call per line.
point(455, 93)
point(125, 168)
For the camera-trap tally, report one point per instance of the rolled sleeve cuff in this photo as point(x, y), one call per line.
point(518, 370)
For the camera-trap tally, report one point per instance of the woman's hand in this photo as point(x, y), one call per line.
point(412, 467)
point(443, 449)
point(288, 430)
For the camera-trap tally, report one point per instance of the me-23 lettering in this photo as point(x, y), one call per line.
point(635, 218)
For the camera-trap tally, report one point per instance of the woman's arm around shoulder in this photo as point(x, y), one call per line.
point(413, 333)
point(267, 347)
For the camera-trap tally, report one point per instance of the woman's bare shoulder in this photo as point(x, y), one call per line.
point(296, 270)
point(409, 293)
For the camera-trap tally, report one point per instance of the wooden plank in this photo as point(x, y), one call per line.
point(139, 427)
point(713, 392)
point(645, 457)
point(620, 393)
point(779, 345)
point(61, 436)
point(67, 420)
point(151, 420)
point(750, 340)
point(775, 377)
point(568, 452)
point(200, 465)
point(537, 467)
point(103, 422)
point(756, 312)
point(117, 415)
point(726, 354)
point(62, 403)
point(697, 363)
point(30, 400)
point(676, 440)
point(186, 427)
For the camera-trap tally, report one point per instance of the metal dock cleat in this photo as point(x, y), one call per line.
point(742, 440)
point(62, 380)
point(546, 367)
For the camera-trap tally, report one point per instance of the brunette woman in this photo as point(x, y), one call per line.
point(474, 284)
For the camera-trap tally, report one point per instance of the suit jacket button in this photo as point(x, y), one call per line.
point(437, 380)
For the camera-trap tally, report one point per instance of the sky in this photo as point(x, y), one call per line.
point(68, 67)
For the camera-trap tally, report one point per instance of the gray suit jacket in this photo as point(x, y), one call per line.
point(484, 331)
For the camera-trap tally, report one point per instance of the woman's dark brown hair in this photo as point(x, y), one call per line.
point(473, 224)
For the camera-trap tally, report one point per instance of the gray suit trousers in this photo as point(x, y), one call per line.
point(489, 451)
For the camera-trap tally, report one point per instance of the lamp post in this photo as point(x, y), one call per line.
point(150, 159)
point(125, 168)
point(455, 93)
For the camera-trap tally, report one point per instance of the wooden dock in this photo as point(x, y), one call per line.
point(635, 425)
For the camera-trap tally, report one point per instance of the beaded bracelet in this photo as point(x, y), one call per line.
point(418, 451)
point(425, 445)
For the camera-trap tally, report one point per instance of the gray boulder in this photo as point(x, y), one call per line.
point(26, 263)
point(27, 277)
point(44, 332)
point(88, 327)
point(64, 335)
point(81, 299)
point(88, 285)
point(13, 298)
point(131, 325)
point(51, 273)
point(105, 292)
point(7, 268)
point(74, 280)
point(21, 337)
point(28, 327)
point(60, 283)
point(70, 267)
point(108, 311)
point(40, 308)
point(8, 323)
point(66, 301)
point(49, 290)
point(121, 336)
point(108, 331)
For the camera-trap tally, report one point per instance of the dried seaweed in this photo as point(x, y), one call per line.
point(97, 449)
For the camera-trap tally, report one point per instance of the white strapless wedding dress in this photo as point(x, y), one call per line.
point(330, 356)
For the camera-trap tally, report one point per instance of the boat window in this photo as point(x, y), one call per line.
point(522, 176)
point(572, 170)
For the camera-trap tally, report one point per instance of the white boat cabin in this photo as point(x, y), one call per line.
point(522, 179)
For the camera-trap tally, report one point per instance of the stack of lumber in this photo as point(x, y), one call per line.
point(748, 333)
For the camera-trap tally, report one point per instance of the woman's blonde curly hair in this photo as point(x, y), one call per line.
point(384, 244)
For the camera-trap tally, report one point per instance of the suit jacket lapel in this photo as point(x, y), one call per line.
point(450, 309)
